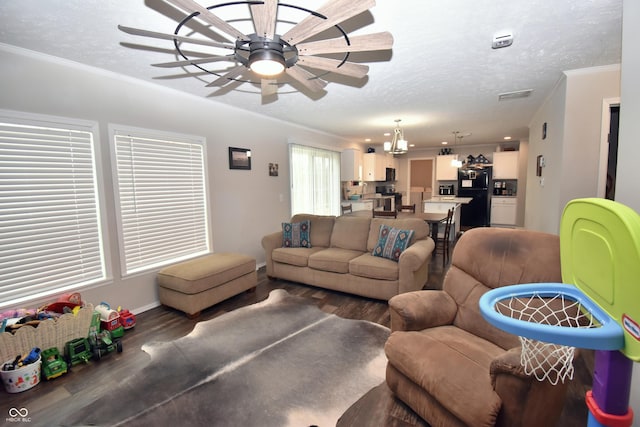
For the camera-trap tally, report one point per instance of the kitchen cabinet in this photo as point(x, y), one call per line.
point(362, 205)
point(445, 171)
point(503, 211)
point(505, 165)
point(351, 165)
point(373, 167)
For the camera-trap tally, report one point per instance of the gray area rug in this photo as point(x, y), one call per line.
point(280, 362)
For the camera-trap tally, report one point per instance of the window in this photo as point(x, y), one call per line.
point(50, 231)
point(160, 197)
point(315, 180)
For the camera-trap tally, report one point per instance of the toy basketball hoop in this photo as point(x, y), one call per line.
point(551, 319)
point(597, 307)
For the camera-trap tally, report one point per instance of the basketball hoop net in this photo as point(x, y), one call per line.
point(547, 361)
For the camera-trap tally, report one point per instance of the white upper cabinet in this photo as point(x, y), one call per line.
point(373, 167)
point(445, 171)
point(505, 165)
point(351, 165)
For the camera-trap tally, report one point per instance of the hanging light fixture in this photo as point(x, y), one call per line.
point(398, 144)
point(456, 163)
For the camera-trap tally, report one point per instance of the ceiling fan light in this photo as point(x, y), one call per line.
point(266, 62)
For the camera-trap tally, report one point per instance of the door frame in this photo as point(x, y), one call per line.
point(433, 175)
point(607, 103)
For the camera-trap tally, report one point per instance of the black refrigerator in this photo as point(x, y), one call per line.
point(475, 183)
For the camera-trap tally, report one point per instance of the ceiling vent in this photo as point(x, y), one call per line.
point(514, 95)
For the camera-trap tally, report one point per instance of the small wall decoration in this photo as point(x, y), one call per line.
point(544, 130)
point(273, 169)
point(239, 158)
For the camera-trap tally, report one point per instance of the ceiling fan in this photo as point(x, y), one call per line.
point(301, 54)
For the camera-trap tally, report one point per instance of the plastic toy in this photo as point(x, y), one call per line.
point(110, 320)
point(101, 340)
point(66, 302)
point(52, 364)
point(127, 318)
point(77, 351)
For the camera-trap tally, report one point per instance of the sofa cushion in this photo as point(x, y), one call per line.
point(296, 234)
point(453, 367)
point(419, 227)
point(321, 227)
point(392, 242)
point(333, 259)
point(350, 232)
point(371, 267)
point(294, 256)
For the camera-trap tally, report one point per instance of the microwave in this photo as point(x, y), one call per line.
point(390, 174)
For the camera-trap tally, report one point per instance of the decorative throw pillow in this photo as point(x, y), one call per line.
point(391, 242)
point(296, 234)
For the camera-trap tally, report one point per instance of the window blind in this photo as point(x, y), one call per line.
point(50, 236)
point(315, 180)
point(161, 194)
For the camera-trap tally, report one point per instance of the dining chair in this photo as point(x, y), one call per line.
point(442, 243)
point(347, 208)
point(407, 208)
point(385, 214)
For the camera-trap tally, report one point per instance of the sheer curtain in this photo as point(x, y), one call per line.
point(315, 180)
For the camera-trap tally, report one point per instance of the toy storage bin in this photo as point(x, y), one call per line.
point(49, 333)
point(23, 378)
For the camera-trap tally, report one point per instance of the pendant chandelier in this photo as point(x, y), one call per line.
point(398, 144)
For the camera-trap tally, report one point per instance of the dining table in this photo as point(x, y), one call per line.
point(434, 219)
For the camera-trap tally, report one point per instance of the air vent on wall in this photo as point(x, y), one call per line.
point(514, 95)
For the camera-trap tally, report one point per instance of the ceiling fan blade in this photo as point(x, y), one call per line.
point(336, 11)
point(307, 79)
point(376, 41)
point(269, 87)
point(167, 36)
point(350, 69)
point(186, 62)
point(191, 6)
point(229, 76)
point(264, 18)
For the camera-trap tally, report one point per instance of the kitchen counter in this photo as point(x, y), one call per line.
point(449, 199)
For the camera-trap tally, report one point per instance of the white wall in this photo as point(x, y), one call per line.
point(627, 187)
point(246, 205)
point(573, 114)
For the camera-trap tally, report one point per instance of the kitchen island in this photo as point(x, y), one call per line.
point(441, 204)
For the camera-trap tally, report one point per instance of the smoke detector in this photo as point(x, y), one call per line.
point(502, 39)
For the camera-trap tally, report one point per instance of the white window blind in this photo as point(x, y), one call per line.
point(50, 235)
point(315, 180)
point(161, 195)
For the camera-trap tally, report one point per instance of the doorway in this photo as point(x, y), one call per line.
point(421, 174)
point(609, 148)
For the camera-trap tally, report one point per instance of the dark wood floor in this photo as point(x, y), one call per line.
point(52, 400)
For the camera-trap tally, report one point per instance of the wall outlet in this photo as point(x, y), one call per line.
point(541, 182)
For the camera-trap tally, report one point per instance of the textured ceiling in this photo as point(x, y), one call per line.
point(441, 75)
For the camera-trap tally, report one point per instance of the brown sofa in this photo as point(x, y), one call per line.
point(340, 256)
point(451, 366)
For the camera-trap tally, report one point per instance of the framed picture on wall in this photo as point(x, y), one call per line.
point(239, 158)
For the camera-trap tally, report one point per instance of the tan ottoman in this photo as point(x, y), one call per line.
point(194, 285)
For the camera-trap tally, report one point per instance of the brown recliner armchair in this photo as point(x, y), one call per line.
point(450, 365)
